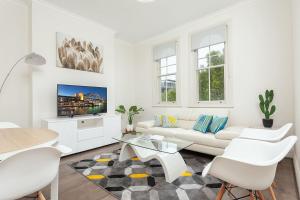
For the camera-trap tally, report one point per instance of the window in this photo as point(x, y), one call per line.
point(210, 49)
point(210, 72)
point(167, 79)
point(165, 73)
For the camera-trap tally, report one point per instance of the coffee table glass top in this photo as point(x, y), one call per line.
point(155, 142)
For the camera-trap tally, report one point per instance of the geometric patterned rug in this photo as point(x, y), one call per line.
point(135, 180)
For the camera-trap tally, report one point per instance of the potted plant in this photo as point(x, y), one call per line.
point(133, 110)
point(266, 108)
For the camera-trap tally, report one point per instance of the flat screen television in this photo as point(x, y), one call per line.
point(80, 100)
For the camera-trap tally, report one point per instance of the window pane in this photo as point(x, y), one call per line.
point(217, 54)
point(172, 69)
point(203, 85)
point(202, 63)
point(217, 49)
point(163, 71)
point(216, 60)
point(171, 88)
point(203, 52)
point(163, 62)
point(163, 88)
point(171, 60)
point(217, 83)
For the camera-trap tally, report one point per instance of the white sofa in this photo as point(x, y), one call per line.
point(208, 143)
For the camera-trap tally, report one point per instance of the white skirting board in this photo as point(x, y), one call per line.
point(297, 172)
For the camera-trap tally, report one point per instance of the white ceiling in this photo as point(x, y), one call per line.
point(134, 21)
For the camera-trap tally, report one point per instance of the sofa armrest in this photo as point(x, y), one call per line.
point(229, 133)
point(146, 124)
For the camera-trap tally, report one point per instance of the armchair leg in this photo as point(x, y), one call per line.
point(272, 193)
point(252, 195)
point(41, 196)
point(274, 185)
point(260, 195)
point(221, 192)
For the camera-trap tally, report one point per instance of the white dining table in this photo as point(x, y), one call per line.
point(14, 139)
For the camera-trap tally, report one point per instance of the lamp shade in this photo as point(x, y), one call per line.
point(35, 59)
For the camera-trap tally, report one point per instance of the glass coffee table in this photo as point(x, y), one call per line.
point(147, 147)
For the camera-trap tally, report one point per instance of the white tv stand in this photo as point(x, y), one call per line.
point(84, 133)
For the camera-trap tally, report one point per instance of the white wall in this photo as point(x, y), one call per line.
point(124, 75)
point(15, 99)
point(260, 57)
point(260, 28)
point(296, 43)
point(46, 21)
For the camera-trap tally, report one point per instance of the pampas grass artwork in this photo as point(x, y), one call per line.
point(74, 53)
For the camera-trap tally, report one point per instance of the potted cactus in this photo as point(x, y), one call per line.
point(133, 110)
point(266, 108)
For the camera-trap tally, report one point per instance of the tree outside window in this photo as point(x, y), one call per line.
point(210, 72)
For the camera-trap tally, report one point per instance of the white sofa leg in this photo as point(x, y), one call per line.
point(54, 188)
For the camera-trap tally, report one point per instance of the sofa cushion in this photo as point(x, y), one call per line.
point(207, 139)
point(168, 132)
point(229, 133)
point(145, 124)
point(202, 123)
point(185, 124)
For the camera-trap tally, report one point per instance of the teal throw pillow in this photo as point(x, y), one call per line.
point(202, 123)
point(217, 124)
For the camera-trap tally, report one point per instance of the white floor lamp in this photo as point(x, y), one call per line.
point(31, 59)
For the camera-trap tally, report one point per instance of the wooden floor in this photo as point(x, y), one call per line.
point(73, 186)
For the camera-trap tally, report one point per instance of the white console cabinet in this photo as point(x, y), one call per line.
point(84, 133)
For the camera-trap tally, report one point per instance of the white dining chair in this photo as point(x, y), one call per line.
point(30, 171)
point(267, 135)
point(249, 164)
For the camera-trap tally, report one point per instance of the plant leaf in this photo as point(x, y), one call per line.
point(133, 108)
point(273, 109)
point(121, 109)
point(261, 98)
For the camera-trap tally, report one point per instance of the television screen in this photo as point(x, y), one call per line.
point(80, 100)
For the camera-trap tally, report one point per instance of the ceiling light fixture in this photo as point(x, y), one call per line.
point(145, 1)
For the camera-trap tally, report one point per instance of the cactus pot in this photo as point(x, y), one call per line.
point(268, 123)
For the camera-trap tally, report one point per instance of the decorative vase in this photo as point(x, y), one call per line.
point(129, 128)
point(268, 123)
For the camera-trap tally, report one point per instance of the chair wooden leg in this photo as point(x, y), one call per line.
point(252, 195)
point(272, 193)
point(221, 192)
point(260, 195)
point(274, 185)
point(41, 196)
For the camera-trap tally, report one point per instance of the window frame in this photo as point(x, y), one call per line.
point(209, 67)
point(159, 76)
point(193, 93)
point(156, 91)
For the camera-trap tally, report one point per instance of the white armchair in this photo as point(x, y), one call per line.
point(249, 164)
point(265, 134)
point(30, 171)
